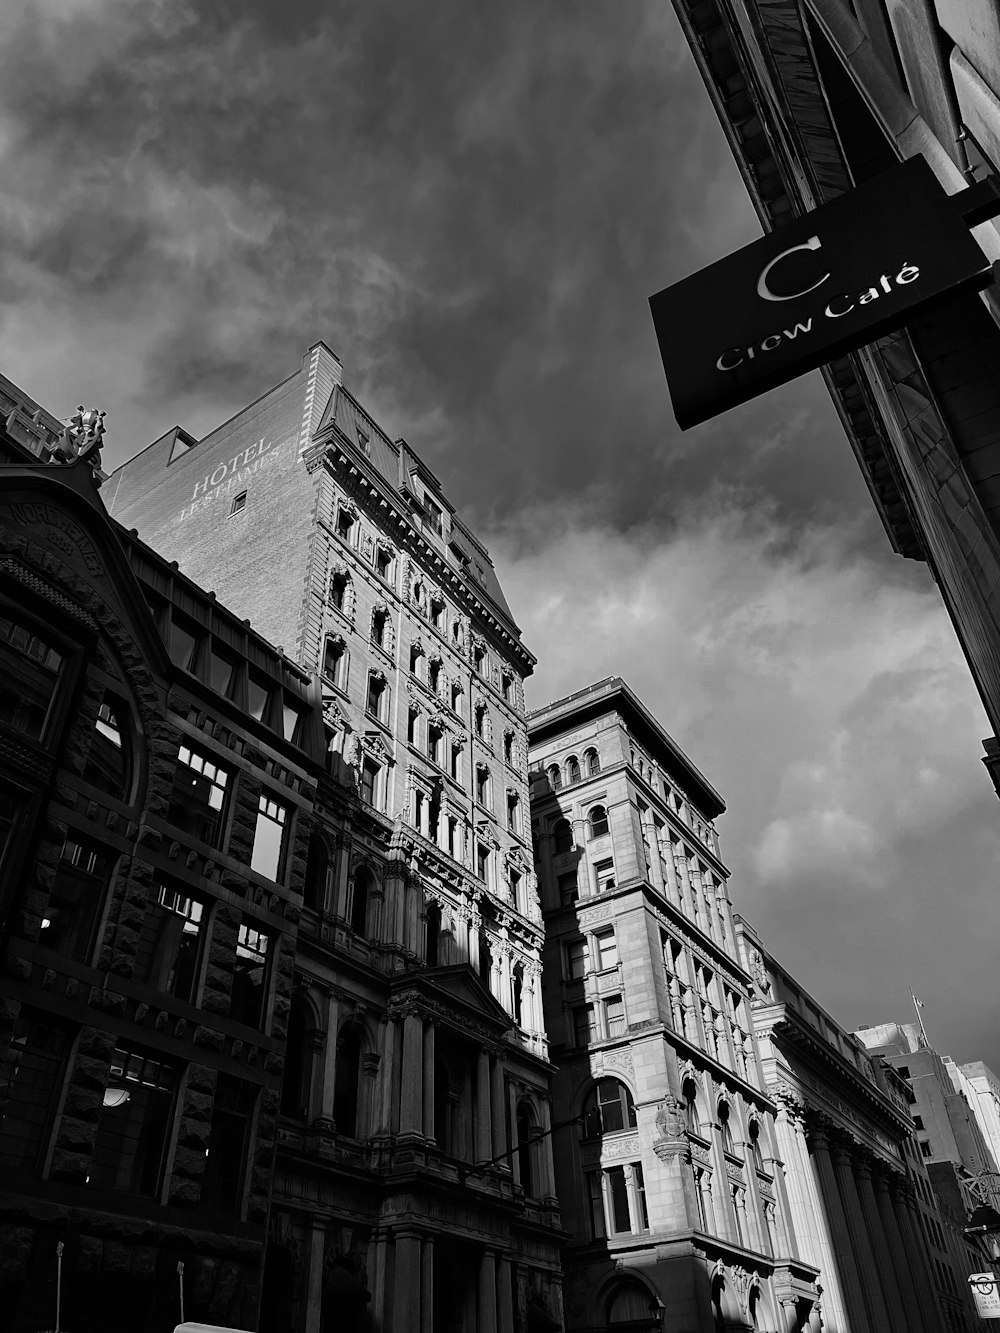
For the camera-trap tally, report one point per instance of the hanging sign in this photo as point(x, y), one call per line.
point(986, 1295)
point(823, 285)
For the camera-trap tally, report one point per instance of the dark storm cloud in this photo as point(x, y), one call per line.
point(471, 204)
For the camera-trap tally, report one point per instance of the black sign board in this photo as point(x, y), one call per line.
point(823, 285)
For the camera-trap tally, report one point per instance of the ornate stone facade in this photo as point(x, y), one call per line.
point(667, 1167)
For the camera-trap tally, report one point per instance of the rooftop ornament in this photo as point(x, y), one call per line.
point(82, 438)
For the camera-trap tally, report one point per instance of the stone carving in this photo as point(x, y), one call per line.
point(619, 1147)
point(670, 1117)
point(82, 437)
point(618, 1060)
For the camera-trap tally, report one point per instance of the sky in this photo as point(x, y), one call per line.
point(471, 204)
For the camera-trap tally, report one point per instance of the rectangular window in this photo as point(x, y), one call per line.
point(369, 780)
point(604, 873)
point(568, 892)
point(595, 1194)
point(482, 861)
point(31, 1075)
point(577, 958)
point(607, 950)
point(617, 1188)
point(259, 691)
point(239, 504)
point(614, 1016)
point(584, 1030)
point(29, 672)
point(269, 837)
point(221, 671)
point(198, 799)
point(250, 975)
point(640, 1196)
point(170, 943)
point(185, 637)
point(134, 1124)
point(225, 1167)
point(456, 763)
point(291, 718)
point(77, 897)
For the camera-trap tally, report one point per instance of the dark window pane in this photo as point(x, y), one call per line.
point(109, 763)
point(199, 796)
point(221, 670)
point(30, 1079)
point(258, 697)
point(170, 943)
point(268, 838)
point(134, 1125)
point(618, 1191)
point(29, 671)
point(225, 1165)
point(183, 643)
point(345, 1090)
point(76, 900)
point(250, 975)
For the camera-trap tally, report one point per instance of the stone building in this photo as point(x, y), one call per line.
point(668, 1169)
point(153, 837)
point(817, 97)
point(980, 1087)
point(862, 1204)
point(413, 1157)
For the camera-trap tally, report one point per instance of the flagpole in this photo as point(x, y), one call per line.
point(917, 1006)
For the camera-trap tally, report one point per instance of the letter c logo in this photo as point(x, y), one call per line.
point(763, 291)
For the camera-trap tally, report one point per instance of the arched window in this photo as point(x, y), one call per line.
point(689, 1094)
point(417, 661)
point(726, 1129)
point(562, 835)
point(630, 1306)
point(433, 935)
point(364, 882)
point(109, 763)
point(456, 694)
point(297, 1073)
point(347, 1081)
point(598, 821)
point(593, 762)
point(525, 1130)
point(554, 775)
point(572, 769)
point(513, 812)
point(613, 1101)
point(317, 865)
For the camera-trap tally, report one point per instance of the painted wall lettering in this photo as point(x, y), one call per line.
point(235, 473)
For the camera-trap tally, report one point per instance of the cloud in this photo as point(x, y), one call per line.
point(830, 705)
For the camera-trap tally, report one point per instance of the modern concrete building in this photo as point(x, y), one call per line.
point(153, 836)
point(672, 1184)
point(862, 1203)
point(412, 1149)
point(816, 97)
point(951, 1146)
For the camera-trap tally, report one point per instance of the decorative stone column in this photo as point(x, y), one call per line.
point(411, 1092)
point(428, 1117)
point(484, 1127)
point(881, 1252)
point(861, 1238)
point(916, 1250)
point(487, 1321)
point(325, 1066)
point(406, 1282)
point(505, 1296)
point(843, 1253)
point(427, 1284)
point(314, 1277)
point(496, 1105)
point(548, 1181)
point(386, 1100)
point(911, 1317)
